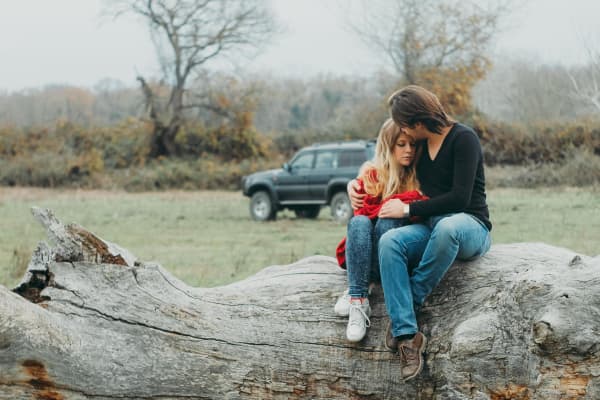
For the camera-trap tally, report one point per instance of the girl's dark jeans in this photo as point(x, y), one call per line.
point(362, 261)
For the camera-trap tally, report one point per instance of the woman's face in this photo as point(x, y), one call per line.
point(404, 150)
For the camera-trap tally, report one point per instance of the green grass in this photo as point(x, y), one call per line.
point(565, 217)
point(208, 239)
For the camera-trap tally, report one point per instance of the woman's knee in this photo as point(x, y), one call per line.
point(385, 224)
point(447, 228)
point(359, 223)
point(390, 241)
point(392, 247)
point(360, 230)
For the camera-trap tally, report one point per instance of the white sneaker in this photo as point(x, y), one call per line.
point(359, 320)
point(342, 306)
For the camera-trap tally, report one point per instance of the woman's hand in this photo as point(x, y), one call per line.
point(356, 198)
point(393, 208)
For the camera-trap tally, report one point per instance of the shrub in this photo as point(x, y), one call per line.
point(579, 168)
point(204, 173)
point(40, 169)
point(523, 145)
point(227, 142)
point(67, 155)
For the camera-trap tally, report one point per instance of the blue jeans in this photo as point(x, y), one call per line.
point(362, 262)
point(413, 260)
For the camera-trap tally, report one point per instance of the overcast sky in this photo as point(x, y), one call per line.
point(68, 42)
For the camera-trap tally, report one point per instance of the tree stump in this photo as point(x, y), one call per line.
point(90, 321)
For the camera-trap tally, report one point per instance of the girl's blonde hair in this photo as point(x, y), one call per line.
point(384, 176)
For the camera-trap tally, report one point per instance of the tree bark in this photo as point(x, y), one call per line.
point(90, 321)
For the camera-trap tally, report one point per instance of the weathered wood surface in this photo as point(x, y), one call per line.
point(520, 323)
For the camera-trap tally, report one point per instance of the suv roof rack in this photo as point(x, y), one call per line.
point(343, 142)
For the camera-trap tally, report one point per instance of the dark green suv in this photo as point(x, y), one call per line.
point(316, 176)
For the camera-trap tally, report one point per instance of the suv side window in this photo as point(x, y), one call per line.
point(351, 158)
point(326, 159)
point(370, 151)
point(303, 161)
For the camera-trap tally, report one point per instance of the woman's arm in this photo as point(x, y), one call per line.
point(355, 195)
point(356, 187)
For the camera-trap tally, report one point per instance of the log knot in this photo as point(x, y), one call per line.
point(541, 332)
point(575, 261)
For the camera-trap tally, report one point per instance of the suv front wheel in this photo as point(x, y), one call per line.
point(341, 209)
point(261, 206)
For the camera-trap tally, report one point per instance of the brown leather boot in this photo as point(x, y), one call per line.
point(411, 355)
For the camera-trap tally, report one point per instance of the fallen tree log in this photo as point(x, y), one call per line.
point(90, 321)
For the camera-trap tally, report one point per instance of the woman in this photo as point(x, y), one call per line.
point(390, 176)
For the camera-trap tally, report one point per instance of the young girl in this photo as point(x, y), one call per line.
point(391, 175)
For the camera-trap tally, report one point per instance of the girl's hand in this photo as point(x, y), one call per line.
point(393, 208)
point(356, 198)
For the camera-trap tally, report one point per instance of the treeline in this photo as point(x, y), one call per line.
point(107, 103)
point(64, 136)
point(514, 91)
point(524, 91)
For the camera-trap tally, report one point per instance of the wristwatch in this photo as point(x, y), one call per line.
point(406, 210)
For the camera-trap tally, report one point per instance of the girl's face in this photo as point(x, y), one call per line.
point(404, 150)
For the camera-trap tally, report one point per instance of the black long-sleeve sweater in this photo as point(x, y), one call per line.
point(455, 180)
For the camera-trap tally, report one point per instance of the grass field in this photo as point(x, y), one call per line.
point(208, 238)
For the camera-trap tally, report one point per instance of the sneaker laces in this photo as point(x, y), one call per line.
point(358, 308)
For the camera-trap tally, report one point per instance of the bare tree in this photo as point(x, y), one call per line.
point(432, 40)
point(586, 87)
point(525, 91)
point(187, 35)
